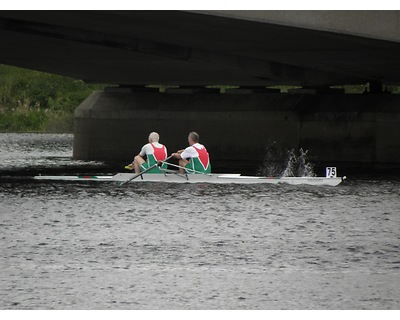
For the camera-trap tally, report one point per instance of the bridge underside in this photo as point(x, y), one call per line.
point(190, 49)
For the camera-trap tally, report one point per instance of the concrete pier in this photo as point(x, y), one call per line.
point(236, 127)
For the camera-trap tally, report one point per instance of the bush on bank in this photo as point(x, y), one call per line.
point(33, 101)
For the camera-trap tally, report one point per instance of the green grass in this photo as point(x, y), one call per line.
point(33, 101)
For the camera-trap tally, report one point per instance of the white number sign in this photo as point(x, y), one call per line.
point(331, 172)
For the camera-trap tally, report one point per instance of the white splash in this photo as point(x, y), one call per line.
point(286, 163)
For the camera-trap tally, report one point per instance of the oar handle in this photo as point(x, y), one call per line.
point(160, 163)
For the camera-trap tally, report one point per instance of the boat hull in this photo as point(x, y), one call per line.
point(200, 178)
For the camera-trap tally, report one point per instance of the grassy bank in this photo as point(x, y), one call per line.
point(32, 101)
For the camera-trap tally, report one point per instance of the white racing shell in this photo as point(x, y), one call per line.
point(201, 178)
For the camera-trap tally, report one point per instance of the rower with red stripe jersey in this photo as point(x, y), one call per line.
point(195, 158)
point(150, 154)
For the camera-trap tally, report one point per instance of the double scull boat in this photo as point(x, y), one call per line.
point(175, 177)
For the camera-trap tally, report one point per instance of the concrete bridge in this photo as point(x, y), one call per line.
point(250, 49)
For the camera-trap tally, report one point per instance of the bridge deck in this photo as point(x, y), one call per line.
point(195, 49)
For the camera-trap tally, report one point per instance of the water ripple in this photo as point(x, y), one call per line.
point(94, 246)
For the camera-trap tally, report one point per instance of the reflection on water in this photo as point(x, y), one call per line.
point(29, 154)
point(69, 245)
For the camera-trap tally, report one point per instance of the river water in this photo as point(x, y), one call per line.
point(70, 245)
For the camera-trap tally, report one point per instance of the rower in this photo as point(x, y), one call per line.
point(153, 152)
point(195, 158)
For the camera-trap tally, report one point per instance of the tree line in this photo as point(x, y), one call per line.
point(33, 101)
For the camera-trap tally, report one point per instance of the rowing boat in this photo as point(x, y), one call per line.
point(169, 177)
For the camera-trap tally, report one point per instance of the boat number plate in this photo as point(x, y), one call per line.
point(331, 172)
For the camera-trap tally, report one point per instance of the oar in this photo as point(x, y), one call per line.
point(192, 170)
point(159, 163)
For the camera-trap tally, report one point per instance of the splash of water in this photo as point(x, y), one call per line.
point(278, 162)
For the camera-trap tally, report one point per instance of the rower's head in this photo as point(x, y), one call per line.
point(193, 138)
point(154, 137)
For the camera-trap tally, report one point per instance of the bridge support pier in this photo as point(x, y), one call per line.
point(336, 129)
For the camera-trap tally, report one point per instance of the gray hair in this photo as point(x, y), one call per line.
point(154, 137)
point(194, 136)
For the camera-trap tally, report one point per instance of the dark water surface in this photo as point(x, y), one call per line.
point(69, 245)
